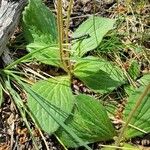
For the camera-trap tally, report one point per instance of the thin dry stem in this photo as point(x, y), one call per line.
point(119, 62)
point(47, 147)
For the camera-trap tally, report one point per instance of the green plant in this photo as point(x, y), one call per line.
point(76, 120)
point(57, 91)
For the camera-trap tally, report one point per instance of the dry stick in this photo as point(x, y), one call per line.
point(44, 140)
point(146, 91)
point(60, 33)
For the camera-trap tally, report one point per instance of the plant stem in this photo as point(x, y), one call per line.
point(60, 33)
point(139, 101)
point(68, 20)
point(67, 29)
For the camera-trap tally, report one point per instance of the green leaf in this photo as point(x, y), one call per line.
point(41, 100)
point(58, 99)
point(1, 95)
point(94, 30)
point(99, 74)
point(144, 80)
point(134, 69)
point(49, 55)
point(111, 107)
point(140, 122)
point(39, 25)
point(90, 123)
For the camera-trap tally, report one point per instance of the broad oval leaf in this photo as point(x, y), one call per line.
point(47, 55)
point(56, 103)
point(98, 74)
point(39, 25)
point(89, 121)
point(140, 122)
point(90, 33)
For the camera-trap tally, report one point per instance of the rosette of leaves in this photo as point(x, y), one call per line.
point(53, 103)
